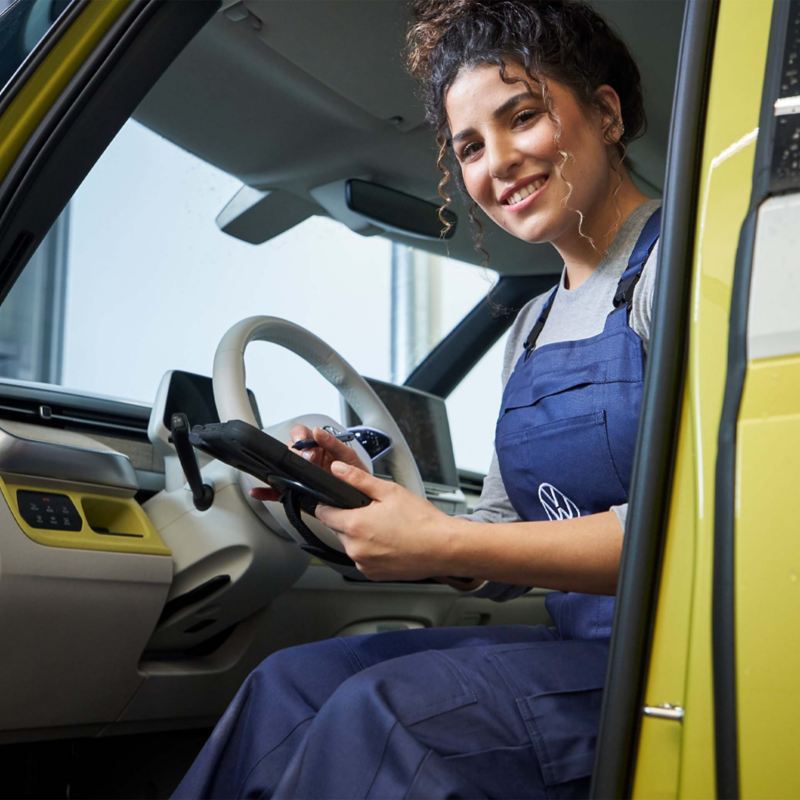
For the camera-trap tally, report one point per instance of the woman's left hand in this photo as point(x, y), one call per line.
point(399, 536)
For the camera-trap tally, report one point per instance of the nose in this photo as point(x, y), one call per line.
point(504, 158)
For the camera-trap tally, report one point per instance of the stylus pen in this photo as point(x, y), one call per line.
point(305, 444)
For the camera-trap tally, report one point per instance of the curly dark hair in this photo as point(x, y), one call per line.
point(565, 40)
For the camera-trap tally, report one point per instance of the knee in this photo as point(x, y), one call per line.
point(281, 665)
point(360, 695)
point(314, 669)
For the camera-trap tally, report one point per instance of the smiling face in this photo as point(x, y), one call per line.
point(512, 160)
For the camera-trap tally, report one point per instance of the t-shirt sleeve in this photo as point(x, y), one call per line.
point(641, 314)
point(493, 505)
point(642, 308)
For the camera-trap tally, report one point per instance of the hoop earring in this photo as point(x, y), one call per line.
point(615, 131)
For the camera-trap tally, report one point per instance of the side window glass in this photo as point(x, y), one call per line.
point(472, 411)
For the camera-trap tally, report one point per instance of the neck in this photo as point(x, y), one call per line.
point(584, 249)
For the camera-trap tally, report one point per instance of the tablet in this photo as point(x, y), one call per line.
point(251, 450)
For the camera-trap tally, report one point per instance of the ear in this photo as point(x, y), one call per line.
point(610, 110)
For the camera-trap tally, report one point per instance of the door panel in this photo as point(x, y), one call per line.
point(767, 574)
point(675, 756)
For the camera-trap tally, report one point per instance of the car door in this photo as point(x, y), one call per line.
point(756, 608)
point(718, 667)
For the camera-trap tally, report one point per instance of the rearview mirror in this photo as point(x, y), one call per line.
point(394, 210)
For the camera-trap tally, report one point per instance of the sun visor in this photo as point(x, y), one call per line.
point(255, 216)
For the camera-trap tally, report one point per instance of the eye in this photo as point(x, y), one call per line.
point(469, 151)
point(525, 116)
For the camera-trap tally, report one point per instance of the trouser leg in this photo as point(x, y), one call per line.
point(265, 721)
point(266, 726)
point(434, 724)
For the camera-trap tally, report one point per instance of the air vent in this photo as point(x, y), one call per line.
point(62, 410)
point(196, 595)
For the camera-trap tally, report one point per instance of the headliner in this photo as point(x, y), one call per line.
point(295, 94)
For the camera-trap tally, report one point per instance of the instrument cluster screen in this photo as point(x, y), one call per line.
point(193, 395)
point(422, 418)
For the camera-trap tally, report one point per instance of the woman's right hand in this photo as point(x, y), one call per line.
point(328, 450)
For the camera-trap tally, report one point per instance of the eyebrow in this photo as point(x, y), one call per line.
point(500, 111)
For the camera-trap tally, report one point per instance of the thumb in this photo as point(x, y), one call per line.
point(371, 486)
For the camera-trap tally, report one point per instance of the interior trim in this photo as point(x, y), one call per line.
point(22, 456)
point(651, 486)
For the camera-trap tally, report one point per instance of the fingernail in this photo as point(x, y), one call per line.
point(339, 466)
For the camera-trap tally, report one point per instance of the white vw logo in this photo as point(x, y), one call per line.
point(556, 504)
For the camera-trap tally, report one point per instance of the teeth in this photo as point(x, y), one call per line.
point(525, 191)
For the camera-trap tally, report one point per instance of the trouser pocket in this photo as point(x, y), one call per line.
point(563, 729)
point(558, 687)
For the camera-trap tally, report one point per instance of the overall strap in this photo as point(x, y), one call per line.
point(627, 282)
point(644, 246)
point(530, 342)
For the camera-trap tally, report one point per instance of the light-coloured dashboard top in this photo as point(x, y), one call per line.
point(35, 450)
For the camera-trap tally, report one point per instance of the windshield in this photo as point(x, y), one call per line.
point(135, 278)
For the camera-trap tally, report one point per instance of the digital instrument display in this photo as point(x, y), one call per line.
point(422, 418)
point(193, 395)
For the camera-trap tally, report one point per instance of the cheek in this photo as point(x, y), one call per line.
point(576, 168)
point(476, 184)
point(539, 143)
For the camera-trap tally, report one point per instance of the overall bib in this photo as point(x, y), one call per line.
point(472, 712)
point(567, 431)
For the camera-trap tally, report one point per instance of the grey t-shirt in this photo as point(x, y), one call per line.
point(576, 314)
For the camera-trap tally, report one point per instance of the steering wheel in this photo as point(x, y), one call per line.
point(230, 396)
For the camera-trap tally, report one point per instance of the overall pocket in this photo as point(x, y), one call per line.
point(560, 469)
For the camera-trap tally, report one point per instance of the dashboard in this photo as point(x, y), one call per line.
point(124, 608)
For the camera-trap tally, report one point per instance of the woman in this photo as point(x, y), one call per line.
point(535, 100)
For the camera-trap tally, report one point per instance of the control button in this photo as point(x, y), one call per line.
point(54, 512)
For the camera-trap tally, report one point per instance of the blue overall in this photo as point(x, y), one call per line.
point(503, 712)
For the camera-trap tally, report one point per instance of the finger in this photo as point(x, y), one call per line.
point(339, 451)
point(311, 454)
point(265, 493)
point(298, 433)
point(372, 487)
point(334, 518)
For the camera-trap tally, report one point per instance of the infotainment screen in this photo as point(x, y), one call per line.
point(422, 418)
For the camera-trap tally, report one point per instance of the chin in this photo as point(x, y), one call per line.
point(532, 234)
